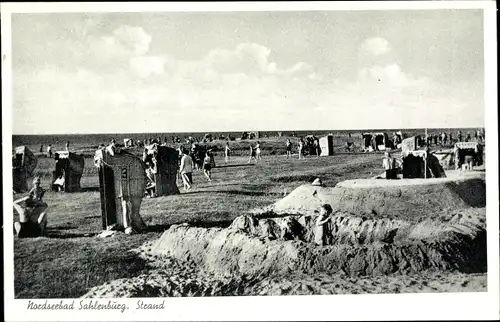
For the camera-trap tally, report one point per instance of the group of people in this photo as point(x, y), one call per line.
point(255, 152)
point(49, 149)
point(187, 165)
point(308, 146)
point(444, 138)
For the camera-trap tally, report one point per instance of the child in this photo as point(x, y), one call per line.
point(207, 167)
point(322, 224)
point(257, 151)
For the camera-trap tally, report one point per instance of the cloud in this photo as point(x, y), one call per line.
point(133, 38)
point(375, 46)
point(146, 66)
point(390, 74)
point(245, 58)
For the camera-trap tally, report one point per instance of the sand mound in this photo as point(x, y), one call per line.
point(411, 199)
point(356, 245)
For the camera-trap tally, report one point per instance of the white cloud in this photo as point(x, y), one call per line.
point(389, 74)
point(376, 46)
point(133, 38)
point(246, 58)
point(145, 66)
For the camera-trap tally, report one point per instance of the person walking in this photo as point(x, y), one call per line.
point(288, 148)
point(49, 150)
point(186, 170)
point(227, 151)
point(252, 154)
point(207, 166)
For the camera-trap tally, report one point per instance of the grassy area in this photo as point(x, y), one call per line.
point(70, 259)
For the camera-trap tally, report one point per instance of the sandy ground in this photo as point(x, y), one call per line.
point(170, 278)
point(385, 248)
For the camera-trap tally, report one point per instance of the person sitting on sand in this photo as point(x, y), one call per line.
point(207, 166)
point(32, 217)
point(322, 225)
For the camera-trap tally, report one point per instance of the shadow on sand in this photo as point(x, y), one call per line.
point(89, 189)
point(229, 192)
point(57, 234)
point(235, 165)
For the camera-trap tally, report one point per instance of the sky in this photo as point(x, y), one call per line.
point(233, 71)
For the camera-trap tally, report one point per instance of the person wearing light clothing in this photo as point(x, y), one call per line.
point(186, 170)
point(389, 166)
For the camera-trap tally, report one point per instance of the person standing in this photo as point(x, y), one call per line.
point(321, 227)
point(186, 170)
point(227, 150)
point(317, 147)
point(388, 164)
point(150, 176)
point(41, 148)
point(257, 151)
point(301, 148)
point(459, 136)
point(49, 150)
point(67, 145)
point(288, 148)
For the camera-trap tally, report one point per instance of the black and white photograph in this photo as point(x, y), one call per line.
point(308, 154)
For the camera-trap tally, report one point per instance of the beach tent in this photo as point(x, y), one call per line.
point(462, 149)
point(68, 171)
point(128, 143)
point(23, 167)
point(326, 145)
point(122, 182)
point(409, 144)
point(420, 164)
point(446, 158)
point(378, 141)
point(167, 161)
point(367, 142)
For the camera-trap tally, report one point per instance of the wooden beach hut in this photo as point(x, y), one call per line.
point(122, 181)
point(24, 163)
point(68, 171)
